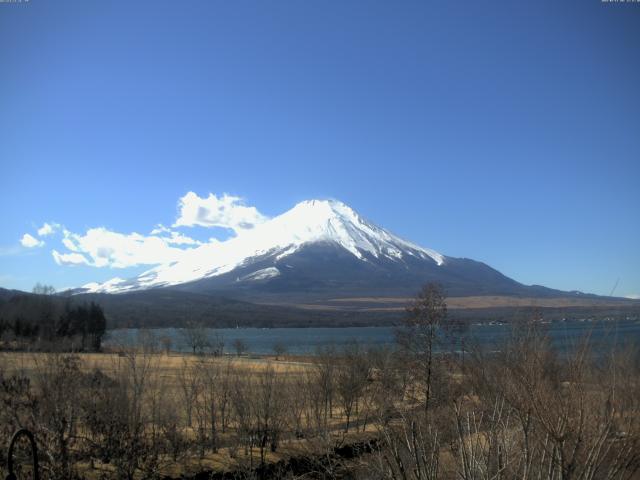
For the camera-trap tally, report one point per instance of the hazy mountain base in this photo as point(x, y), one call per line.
point(174, 308)
point(168, 308)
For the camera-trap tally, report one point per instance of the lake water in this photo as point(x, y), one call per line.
point(564, 336)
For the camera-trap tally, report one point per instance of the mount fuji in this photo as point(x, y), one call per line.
point(318, 250)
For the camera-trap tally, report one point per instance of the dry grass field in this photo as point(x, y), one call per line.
point(194, 388)
point(166, 365)
point(483, 306)
point(491, 301)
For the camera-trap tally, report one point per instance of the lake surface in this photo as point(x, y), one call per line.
point(564, 336)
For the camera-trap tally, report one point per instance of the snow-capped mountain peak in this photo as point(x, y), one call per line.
point(334, 221)
point(307, 223)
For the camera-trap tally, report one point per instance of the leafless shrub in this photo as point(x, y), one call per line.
point(542, 415)
point(58, 384)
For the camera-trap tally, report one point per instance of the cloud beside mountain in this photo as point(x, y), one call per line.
point(226, 211)
point(102, 247)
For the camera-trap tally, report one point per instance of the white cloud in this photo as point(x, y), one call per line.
point(226, 211)
point(30, 242)
point(101, 247)
point(106, 248)
point(160, 228)
point(634, 296)
point(67, 242)
point(48, 229)
point(69, 258)
point(177, 238)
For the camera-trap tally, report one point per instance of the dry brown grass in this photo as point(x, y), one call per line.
point(165, 370)
point(487, 301)
point(165, 364)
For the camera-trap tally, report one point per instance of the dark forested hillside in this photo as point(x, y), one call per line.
point(29, 318)
point(48, 316)
point(174, 308)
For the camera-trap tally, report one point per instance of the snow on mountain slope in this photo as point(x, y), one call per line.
point(309, 222)
point(262, 274)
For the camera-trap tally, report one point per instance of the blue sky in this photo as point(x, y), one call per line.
point(506, 132)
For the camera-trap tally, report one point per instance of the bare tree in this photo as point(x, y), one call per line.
point(147, 340)
point(542, 415)
point(216, 344)
point(298, 392)
point(167, 342)
point(189, 385)
point(420, 335)
point(325, 362)
point(223, 391)
point(134, 451)
point(207, 404)
point(410, 449)
point(269, 410)
point(58, 384)
point(40, 289)
point(240, 346)
point(242, 410)
point(196, 337)
point(279, 349)
point(117, 412)
point(170, 426)
point(351, 380)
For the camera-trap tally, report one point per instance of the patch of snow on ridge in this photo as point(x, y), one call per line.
point(308, 222)
point(109, 285)
point(92, 287)
point(263, 274)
